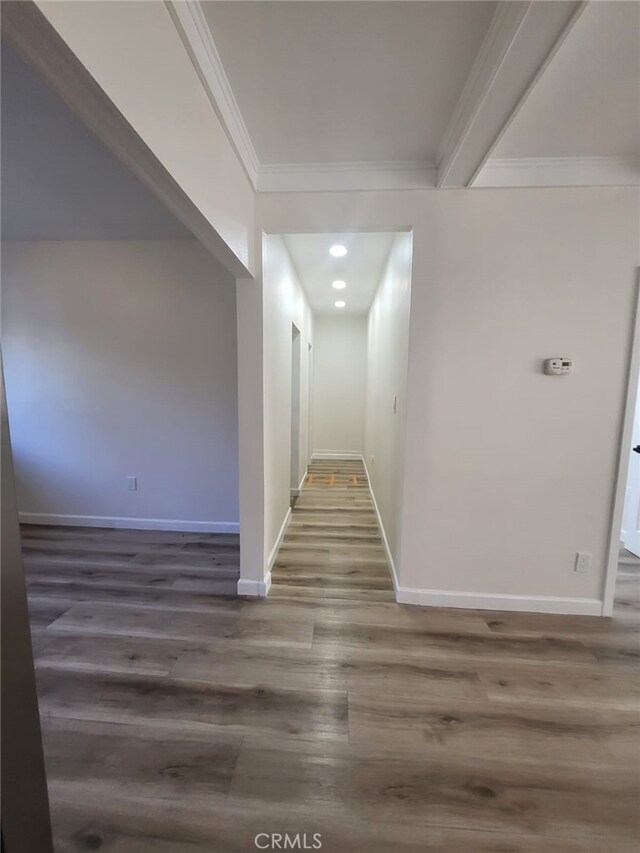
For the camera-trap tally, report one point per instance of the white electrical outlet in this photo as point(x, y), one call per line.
point(372, 460)
point(583, 562)
point(132, 484)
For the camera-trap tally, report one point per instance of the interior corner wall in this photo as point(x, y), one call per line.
point(338, 395)
point(120, 360)
point(284, 304)
point(387, 361)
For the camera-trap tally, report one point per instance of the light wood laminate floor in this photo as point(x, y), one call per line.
point(179, 721)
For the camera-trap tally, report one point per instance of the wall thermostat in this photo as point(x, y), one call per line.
point(558, 366)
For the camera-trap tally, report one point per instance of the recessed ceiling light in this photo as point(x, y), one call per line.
point(339, 285)
point(339, 303)
point(338, 251)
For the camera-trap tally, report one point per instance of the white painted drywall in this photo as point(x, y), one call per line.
point(338, 383)
point(251, 450)
point(120, 359)
point(508, 472)
point(284, 304)
point(387, 360)
point(134, 52)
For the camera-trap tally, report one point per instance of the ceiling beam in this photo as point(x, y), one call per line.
point(521, 41)
point(192, 26)
point(41, 47)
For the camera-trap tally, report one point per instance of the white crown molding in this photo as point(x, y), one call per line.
point(560, 172)
point(520, 42)
point(336, 177)
point(194, 30)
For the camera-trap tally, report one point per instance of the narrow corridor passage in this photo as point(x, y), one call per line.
point(332, 547)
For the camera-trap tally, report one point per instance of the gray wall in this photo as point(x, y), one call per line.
point(120, 360)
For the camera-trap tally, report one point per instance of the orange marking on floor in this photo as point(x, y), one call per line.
point(354, 480)
point(332, 482)
point(310, 480)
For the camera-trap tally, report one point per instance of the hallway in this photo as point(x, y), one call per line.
point(332, 547)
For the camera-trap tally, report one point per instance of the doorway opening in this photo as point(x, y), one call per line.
point(345, 297)
point(622, 582)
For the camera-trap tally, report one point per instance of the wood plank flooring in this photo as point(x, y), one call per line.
point(332, 547)
point(178, 720)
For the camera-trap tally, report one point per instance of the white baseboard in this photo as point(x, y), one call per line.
point(274, 551)
point(489, 601)
point(481, 600)
point(260, 589)
point(130, 523)
point(336, 454)
point(296, 492)
point(255, 589)
point(383, 533)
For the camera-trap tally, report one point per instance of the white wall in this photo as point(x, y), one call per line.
point(284, 303)
point(387, 361)
point(338, 386)
point(511, 472)
point(508, 473)
point(120, 359)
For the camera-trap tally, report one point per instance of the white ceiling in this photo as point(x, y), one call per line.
point(326, 82)
point(59, 181)
point(361, 268)
point(320, 96)
point(587, 102)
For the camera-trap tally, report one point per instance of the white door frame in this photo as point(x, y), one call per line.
point(624, 451)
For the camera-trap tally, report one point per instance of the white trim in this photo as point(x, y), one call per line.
point(274, 551)
point(479, 600)
point(335, 454)
point(383, 533)
point(260, 589)
point(130, 523)
point(296, 492)
point(489, 601)
point(559, 172)
point(519, 45)
point(255, 589)
point(336, 177)
point(502, 30)
point(624, 449)
point(191, 23)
